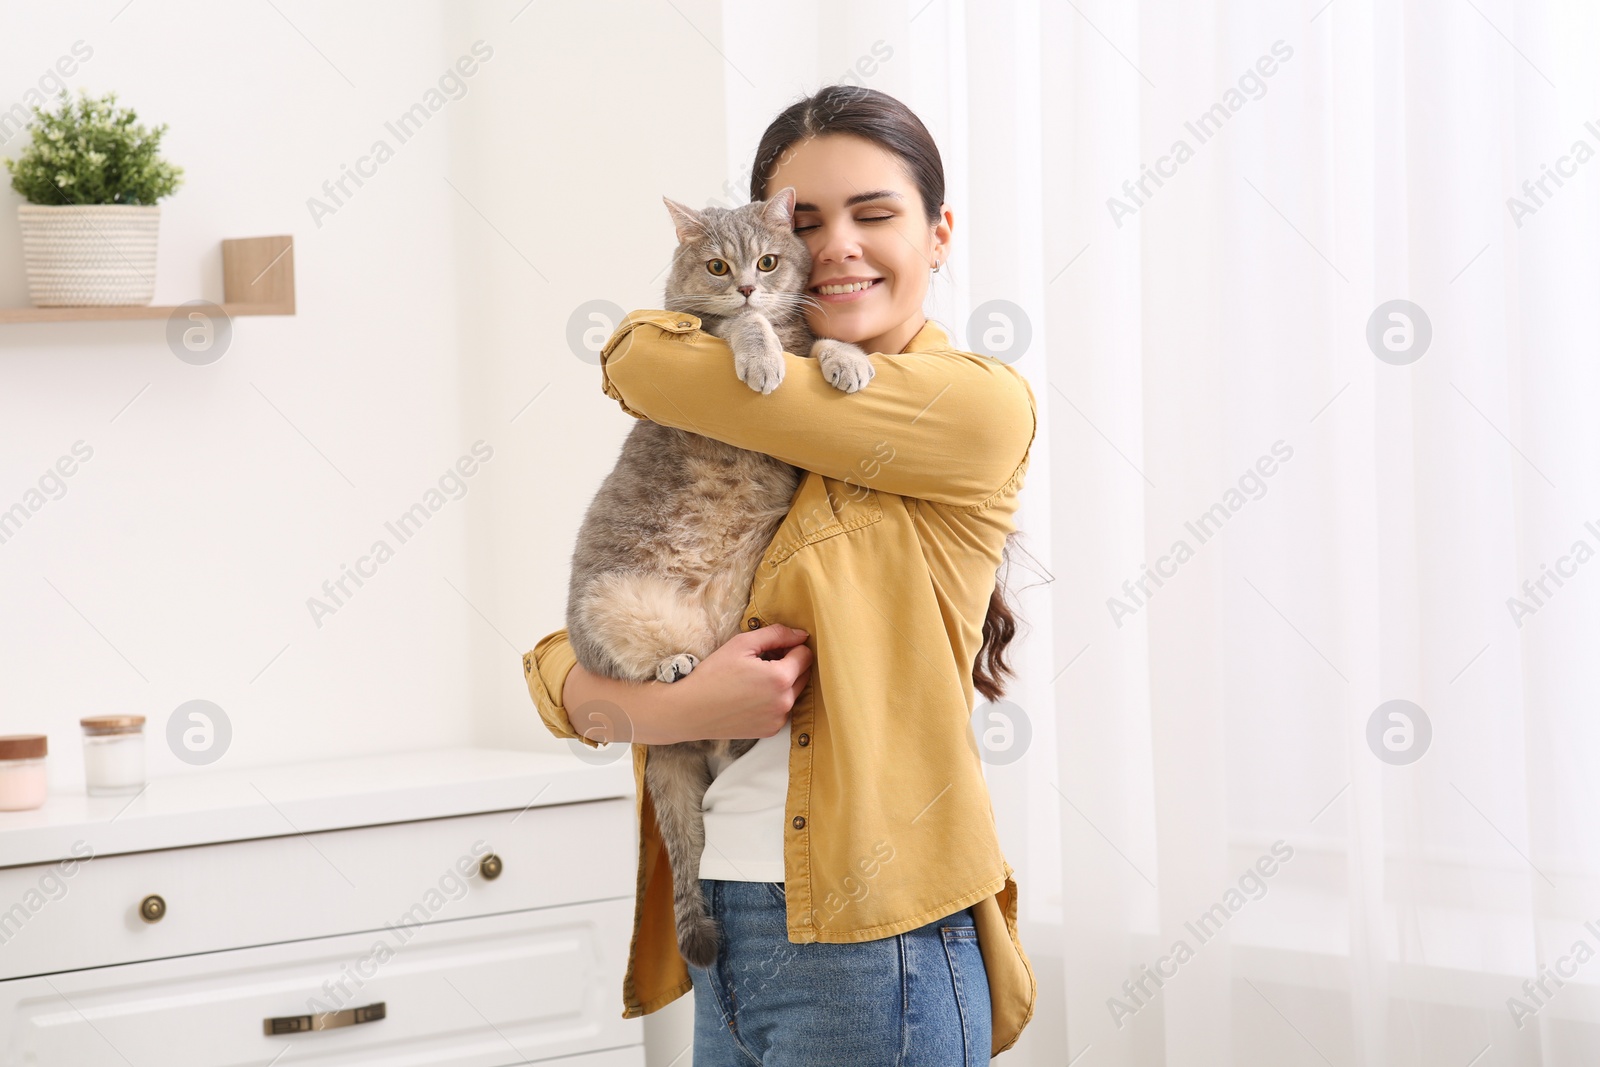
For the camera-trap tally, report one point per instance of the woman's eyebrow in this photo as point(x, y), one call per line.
point(859, 198)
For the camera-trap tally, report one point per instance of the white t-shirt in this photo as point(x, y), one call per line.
point(743, 810)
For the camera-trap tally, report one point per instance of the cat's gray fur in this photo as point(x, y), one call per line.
point(668, 549)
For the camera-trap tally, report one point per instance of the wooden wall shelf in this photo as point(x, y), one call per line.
point(257, 279)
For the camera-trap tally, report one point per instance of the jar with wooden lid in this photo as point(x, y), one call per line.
point(113, 754)
point(22, 781)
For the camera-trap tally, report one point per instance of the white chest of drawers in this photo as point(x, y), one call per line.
point(413, 909)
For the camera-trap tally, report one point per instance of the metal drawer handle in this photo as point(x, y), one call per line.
point(324, 1020)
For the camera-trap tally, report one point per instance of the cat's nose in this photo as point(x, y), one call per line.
point(747, 289)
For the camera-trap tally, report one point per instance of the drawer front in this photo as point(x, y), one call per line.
point(377, 878)
point(501, 989)
point(631, 1056)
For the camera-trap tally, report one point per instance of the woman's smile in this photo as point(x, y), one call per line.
point(846, 290)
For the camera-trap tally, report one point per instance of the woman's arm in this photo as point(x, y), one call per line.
point(945, 426)
point(735, 692)
point(607, 710)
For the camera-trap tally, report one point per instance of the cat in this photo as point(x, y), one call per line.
point(667, 551)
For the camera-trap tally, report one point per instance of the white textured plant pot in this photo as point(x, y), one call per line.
point(89, 255)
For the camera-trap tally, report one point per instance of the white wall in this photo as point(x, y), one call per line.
point(219, 498)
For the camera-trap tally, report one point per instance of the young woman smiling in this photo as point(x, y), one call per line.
point(852, 862)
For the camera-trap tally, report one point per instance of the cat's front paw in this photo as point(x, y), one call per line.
point(761, 367)
point(844, 366)
point(675, 667)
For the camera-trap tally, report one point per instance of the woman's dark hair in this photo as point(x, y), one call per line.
point(886, 122)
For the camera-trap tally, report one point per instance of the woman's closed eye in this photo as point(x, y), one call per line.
point(874, 218)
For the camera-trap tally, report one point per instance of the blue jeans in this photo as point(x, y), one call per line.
point(917, 999)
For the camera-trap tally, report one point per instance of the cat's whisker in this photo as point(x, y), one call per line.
point(806, 300)
point(791, 297)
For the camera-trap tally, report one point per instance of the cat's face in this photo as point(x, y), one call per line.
point(730, 260)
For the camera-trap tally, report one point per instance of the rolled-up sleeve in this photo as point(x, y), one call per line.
point(942, 425)
point(546, 668)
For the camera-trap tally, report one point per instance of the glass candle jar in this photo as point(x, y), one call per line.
point(22, 771)
point(113, 754)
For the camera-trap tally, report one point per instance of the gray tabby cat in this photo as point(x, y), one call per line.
point(668, 549)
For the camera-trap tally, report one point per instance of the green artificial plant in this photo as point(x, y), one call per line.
point(92, 155)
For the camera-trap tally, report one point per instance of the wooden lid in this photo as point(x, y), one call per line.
point(23, 746)
point(112, 724)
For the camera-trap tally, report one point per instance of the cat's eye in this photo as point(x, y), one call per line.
point(717, 267)
point(767, 262)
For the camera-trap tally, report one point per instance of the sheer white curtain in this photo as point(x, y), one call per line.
point(1340, 498)
point(1230, 351)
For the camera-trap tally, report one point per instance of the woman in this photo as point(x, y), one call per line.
point(851, 858)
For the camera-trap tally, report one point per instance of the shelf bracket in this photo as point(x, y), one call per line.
point(258, 275)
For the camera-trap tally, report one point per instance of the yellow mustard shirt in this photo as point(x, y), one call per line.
point(887, 559)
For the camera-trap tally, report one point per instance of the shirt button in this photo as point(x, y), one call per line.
point(805, 739)
point(684, 323)
point(799, 822)
point(754, 622)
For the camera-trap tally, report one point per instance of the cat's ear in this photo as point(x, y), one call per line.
point(690, 226)
point(779, 212)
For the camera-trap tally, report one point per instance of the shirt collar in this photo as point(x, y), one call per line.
point(931, 337)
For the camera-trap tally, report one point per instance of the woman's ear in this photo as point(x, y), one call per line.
point(942, 235)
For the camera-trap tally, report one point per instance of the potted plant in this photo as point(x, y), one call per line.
point(91, 177)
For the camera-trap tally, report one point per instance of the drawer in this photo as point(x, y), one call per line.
point(269, 890)
point(500, 989)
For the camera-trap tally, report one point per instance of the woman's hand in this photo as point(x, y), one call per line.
point(743, 689)
point(746, 687)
